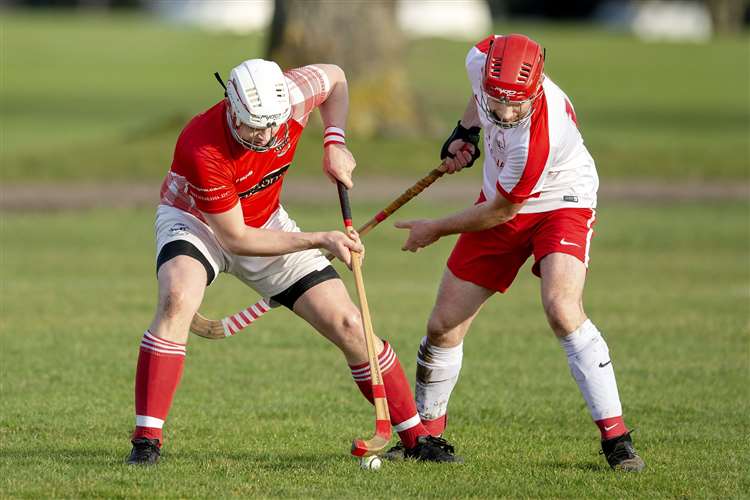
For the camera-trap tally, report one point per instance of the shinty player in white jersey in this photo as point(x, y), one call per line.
point(538, 197)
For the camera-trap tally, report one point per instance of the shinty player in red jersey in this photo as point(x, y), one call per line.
point(538, 198)
point(220, 212)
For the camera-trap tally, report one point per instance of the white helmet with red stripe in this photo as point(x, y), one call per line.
point(258, 97)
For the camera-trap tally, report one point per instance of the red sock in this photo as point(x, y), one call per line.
point(401, 406)
point(160, 364)
point(611, 427)
point(436, 427)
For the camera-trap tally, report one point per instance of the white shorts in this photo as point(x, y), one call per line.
point(268, 276)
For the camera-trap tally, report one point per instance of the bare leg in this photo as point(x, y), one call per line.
point(458, 303)
point(328, 308)
point(563, 279)
point(182, 284)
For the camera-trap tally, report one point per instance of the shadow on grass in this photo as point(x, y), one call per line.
point(270, 462)
point(104, 456)
point(265, 461)
point(72, 456)
point(581, 466)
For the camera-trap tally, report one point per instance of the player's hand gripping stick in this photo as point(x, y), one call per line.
point(230, 325)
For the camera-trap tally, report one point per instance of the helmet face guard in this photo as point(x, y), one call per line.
point(512, 76)
point(485, 104)
point(279, 138)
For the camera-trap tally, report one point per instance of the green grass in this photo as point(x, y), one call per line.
point(104, 97)
point(271, 412)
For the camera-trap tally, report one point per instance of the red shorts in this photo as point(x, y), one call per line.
point(492, 258)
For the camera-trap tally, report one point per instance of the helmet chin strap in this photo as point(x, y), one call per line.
point(221, 82)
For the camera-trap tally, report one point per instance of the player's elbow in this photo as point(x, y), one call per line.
point(336, 74)
point(508, 213)
point(498, 217)
point(234, 242)
point(503, 210)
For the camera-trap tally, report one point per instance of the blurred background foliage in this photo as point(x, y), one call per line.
point(100, 94)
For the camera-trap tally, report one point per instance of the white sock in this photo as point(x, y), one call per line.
point(591, 367)
point(437, 374)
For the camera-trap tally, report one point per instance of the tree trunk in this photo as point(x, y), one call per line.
point(498, 9)
point(364, 39)
point(727, 16)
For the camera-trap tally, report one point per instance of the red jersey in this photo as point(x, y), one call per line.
point(211, 171)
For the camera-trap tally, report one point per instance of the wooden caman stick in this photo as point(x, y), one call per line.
point(226, 327)
point(361, 447)
point(402, 200)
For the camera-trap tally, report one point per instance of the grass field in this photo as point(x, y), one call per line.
point(99, 97)
point(271, 412)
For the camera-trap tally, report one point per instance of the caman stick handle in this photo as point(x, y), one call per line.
point(361, 447)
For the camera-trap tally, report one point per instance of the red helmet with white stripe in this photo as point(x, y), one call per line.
point(512, 72)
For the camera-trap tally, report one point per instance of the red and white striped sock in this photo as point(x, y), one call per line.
point(160, 364)
point(401, 406)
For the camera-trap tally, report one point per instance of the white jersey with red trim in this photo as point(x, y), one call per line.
point(543, 160)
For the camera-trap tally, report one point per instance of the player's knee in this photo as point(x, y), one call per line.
point(176, 302)
point(350, 323)
point(349, 329)
point(563, 315)
point(438, 330)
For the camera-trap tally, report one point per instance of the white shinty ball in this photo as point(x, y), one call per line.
point(372, 462)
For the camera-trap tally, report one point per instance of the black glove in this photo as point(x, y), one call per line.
point(468, 135)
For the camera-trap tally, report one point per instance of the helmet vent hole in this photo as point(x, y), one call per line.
point(252, 97)
point(524, 72)
point(496, 66)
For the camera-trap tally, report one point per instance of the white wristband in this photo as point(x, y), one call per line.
point(333, 135)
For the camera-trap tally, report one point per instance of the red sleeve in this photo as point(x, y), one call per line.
point(210, 181)
point(512, 197)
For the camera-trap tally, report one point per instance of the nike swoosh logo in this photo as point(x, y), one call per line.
point(602, 365)
point(563, 242)
point(610, 427)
